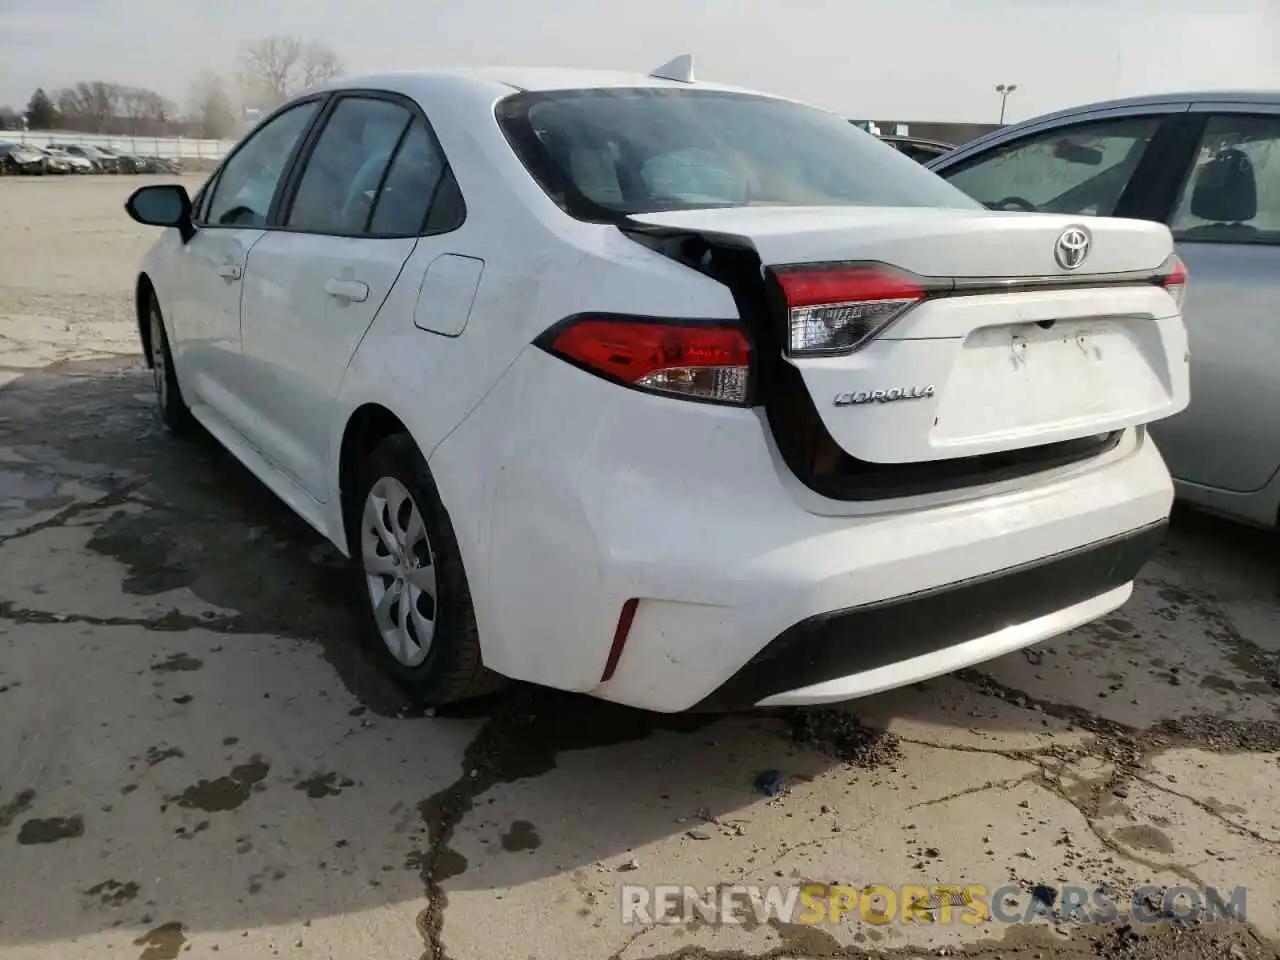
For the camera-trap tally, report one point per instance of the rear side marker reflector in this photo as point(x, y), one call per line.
point(837, 309)
point(696, 361)
point(625, 619)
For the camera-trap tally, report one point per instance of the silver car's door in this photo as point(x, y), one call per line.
point(1226, 223)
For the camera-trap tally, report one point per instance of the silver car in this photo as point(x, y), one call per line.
point(1208, 165)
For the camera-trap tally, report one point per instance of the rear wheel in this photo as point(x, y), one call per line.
point(171, 409)
point(418, 619)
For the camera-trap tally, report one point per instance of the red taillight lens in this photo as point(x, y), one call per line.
point(1175, 280)
point(833, 310)
point(696, 361)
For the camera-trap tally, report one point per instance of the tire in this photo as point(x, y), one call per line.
point(393, 485)
point(171, 410)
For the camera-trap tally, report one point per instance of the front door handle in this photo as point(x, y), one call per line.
point(229, 271)
point(351, 290)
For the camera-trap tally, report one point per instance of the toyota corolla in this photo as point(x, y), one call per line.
point(672, 393)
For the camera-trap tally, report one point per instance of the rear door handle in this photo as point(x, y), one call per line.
point(351, 290)
point(229, 271)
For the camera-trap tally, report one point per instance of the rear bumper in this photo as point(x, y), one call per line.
point(571, 496)
point(866, 649)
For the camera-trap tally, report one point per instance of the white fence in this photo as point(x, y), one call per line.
point(174, 147)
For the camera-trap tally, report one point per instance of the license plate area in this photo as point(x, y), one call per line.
point(1015, 382)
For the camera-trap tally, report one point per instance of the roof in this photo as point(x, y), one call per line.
point(502, 80)
point(1270, 97)
point(1267, 98)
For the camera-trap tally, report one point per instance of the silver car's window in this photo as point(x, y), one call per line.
point(242, 196)
point(1232, 192)
point(607, 153)
point(1081, 169)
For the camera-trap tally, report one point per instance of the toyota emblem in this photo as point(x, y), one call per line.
point(1072, 247)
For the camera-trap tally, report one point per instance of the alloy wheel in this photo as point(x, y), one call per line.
point(159, 368)
point(400, 572)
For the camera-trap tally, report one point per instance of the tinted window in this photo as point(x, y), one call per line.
point(410, 185)
point(601, 153)
point(1232, 193)
point(242, 195)
point(1082, 169)
point(341, 179)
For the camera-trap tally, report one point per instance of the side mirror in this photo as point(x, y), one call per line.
point(162, 205)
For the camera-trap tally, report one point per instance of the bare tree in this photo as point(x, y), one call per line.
point(275, 68)
point(96, 106)
point(144, 111)
point(89, 106)
point(320, 64)
point(212, 108)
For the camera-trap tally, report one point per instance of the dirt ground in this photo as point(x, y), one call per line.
point(196, 761)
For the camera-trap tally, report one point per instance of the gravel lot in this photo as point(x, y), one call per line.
point(195, 761)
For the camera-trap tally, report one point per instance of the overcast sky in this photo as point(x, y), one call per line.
point(883, 59)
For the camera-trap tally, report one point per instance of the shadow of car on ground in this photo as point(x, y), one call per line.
point(196, 745)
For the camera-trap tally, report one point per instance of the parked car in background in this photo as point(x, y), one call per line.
point(598, 388)
point(1208, 166)
point(102, 163)
point(76, 164)
point(18, 158)
point(918, 149)
point(55, 163)
point(127, 162)
point(168, 165)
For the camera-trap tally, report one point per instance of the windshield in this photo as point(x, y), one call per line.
point(602, 154)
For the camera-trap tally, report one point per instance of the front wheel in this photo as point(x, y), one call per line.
point(171, 409)
point(418, 619)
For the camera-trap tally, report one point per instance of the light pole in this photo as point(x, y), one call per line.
point(1004, 89)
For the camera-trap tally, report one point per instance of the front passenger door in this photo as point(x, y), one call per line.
point(1086, 167)
point(230, 219)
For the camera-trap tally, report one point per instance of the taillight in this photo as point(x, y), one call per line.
point(697, 361)
point(1174, 279)
point(834, 310)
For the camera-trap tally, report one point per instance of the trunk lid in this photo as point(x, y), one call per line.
point(995, 345)
point(928, 241)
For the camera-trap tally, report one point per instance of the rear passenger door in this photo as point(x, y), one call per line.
point(352, 215)
point(1225, 219)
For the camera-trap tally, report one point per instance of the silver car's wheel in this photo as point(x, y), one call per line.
point(400, 572)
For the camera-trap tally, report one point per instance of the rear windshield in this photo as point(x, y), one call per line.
point(602, 154)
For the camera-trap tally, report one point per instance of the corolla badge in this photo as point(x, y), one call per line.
point(1072, 247)
point(891, 395)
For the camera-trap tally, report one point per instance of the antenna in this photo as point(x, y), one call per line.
point(680, 69)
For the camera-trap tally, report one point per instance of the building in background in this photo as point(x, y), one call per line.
point(954, 133)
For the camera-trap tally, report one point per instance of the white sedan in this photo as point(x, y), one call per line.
point(671, 393)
